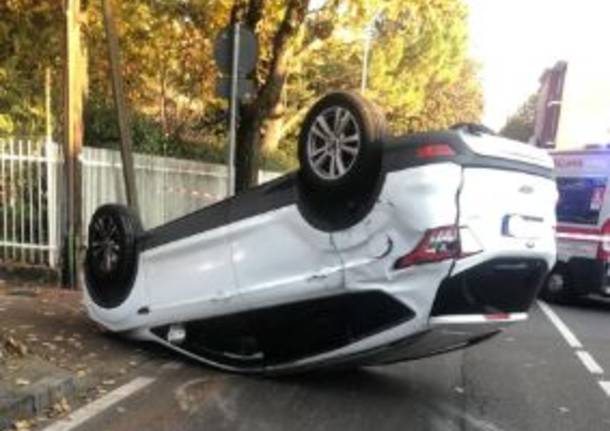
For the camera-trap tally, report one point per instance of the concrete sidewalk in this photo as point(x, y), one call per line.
point(54, 358)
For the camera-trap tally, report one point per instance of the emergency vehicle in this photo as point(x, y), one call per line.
point(583, 225)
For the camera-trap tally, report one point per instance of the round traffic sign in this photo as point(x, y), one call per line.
point(248, 50)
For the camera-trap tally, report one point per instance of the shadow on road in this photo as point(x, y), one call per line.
point(590, 303)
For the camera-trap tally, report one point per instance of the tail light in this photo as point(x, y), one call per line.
point(447, 242)
point(431, 151)
point(603, 252)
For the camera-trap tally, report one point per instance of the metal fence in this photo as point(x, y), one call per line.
point(31, 189)
point(28, 201)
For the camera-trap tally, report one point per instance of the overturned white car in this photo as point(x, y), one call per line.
point(378, 250)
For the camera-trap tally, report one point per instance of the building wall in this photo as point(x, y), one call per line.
point(585, 108)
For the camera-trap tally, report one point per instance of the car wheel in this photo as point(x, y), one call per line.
point(111, 261)
point(340, 155)
point(557, 287)
point(340, 144)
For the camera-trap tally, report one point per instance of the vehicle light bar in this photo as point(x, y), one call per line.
point(439, 244)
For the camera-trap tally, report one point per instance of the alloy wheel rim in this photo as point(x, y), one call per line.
point(105, 245)
point(333, 143)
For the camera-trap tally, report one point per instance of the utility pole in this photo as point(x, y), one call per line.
point(74, 68)
point(47, 103)
point(119, 100)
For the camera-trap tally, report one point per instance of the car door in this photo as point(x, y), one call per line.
point(189, 267)
point(278, 257)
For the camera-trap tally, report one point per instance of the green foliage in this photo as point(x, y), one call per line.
point(148, 137)
point(30, 41)
point(520, 126)
point(420, 48)
point(450, 102)
point(419, 72)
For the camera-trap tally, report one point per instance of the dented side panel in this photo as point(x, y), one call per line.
point(279, 257)
point(412, 201)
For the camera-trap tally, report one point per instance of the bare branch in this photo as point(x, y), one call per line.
point(289, 27)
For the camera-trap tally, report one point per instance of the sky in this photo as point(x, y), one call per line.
point(515, 40)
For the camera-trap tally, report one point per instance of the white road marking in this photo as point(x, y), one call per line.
point(561, 327)
point(589, 362)
point(585, 357)
point(605, 386)
point(90, 410)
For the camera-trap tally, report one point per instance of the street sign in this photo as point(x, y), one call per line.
point(245, 88)
point(236, 52)
point(248, 50)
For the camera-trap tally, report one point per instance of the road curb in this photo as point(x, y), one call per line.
point(36, 398)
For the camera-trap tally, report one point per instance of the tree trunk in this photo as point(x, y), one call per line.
point(274, 126)
point(254, 116)
point(247, 151)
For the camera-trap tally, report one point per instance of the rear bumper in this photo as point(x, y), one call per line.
point(445, 334)
point(497, 286)
point(469, 307)
point(472, 306)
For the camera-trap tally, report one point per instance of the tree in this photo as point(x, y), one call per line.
point(167, 55)
point(520, 125)
point(419, 72)
point(449, 103)
point(419, 53)
point(30, 41)
point(270, 78)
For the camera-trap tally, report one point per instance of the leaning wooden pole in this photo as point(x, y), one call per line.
point(119, 100)
point(47, 105)
point(73, 140)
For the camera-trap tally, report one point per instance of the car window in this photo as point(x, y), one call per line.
point(580, 199)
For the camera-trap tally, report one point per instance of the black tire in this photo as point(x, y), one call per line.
point(558, 286)
point(111, 261)
point(336, 204)
point(361, 169)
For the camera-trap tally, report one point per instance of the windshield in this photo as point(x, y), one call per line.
point(580, 199)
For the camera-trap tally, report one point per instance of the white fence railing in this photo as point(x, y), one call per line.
point(28, 201)
point(31, 193)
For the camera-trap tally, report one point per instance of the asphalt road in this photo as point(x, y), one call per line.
point(527, 378)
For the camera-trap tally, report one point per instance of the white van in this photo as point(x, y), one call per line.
point(583, 225)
